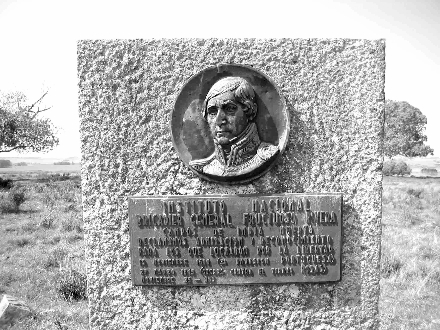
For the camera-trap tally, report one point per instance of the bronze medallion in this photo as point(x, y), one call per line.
point(230, 123)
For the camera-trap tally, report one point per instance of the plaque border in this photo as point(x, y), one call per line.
point(132, 198)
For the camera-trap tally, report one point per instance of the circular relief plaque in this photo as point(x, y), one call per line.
point(229, 123)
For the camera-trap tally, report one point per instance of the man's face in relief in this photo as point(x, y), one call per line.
point(226, 117)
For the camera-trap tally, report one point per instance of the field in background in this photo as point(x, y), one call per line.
point(40, 160)
point(45, 240)
point(410, 274)
point(418, 163)
point(38, 169)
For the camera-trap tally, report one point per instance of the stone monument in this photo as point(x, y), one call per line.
point(232, 183)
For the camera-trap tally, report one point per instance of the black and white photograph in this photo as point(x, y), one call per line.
point(195, 165)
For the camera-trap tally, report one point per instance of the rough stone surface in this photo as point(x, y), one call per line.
point(334, 91)
point(11, 311)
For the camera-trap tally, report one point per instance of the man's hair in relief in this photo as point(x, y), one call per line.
point(243, 93)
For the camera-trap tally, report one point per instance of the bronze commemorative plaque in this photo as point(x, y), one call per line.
point(235, 239)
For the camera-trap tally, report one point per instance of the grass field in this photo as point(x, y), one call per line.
point(410, 284)
point(37, 170)
point(42, 253)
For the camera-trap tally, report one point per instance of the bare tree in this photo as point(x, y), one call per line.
point(21, 128)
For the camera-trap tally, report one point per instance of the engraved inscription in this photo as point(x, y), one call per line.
point(210, 240)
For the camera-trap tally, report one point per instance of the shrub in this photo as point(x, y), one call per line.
point(68, 191)
point(51, 177)
point(390, 265)
point(11, 229)
point(435, 199)
point(388, 167)
point(72, 285)
point(409, 217)
point(402, 168)
point(20, 242)
point(29, 227)
point(47, 221)
point(21, 164)
point(6, 183)
point(415, 192)
point(429, 171)
point(55, 258)
point(17, 197)
point(11, 202)
point(6, 206)
point(53, 241)
point(50, 196)
point(71, 208)
point(75, 237)
point(392, 167)
point(55, 192)
point(5, 163)
point(72, 223)
point(59, 177)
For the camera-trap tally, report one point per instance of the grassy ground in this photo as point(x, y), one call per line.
point(410, 284)
point(42, 254)
point(42, 250)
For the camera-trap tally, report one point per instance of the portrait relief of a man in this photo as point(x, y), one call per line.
point(230, 109)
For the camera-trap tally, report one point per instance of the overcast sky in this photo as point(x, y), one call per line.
point(38, 42)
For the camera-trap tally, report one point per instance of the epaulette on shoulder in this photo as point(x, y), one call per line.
point(267, 150)
point(198, 164)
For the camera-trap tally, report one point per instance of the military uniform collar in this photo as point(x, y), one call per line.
point(242, 150)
